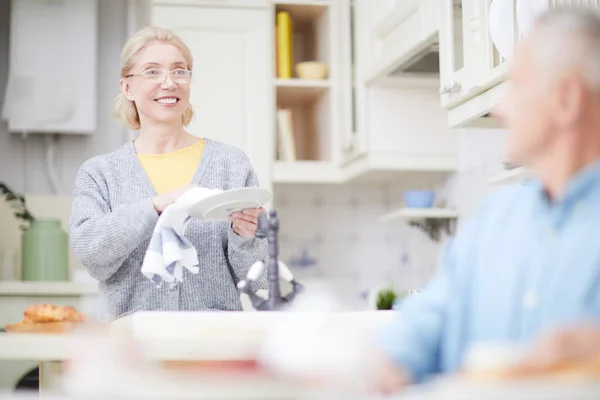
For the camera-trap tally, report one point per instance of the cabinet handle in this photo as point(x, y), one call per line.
point(451, 88)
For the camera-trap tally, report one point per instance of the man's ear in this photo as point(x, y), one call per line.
point(126, 89)
point(570, 101)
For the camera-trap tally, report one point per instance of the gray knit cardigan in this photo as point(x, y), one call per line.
point(112, 220)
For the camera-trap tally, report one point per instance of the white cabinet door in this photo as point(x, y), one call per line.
point(232, 70)
point(354, 34)
point(491, 68)
point(456, 54)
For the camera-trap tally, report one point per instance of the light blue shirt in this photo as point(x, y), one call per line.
point(518, 266)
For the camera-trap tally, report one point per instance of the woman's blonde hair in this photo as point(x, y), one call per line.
point(125, 109)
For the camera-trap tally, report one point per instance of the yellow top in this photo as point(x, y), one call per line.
point(172, 170)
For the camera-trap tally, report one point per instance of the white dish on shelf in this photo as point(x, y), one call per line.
point(218, 207)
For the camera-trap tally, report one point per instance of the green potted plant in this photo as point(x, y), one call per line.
point(44, 244)
point(386, 299)
point(19, 206)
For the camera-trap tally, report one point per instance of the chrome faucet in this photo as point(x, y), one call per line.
point(268, 227)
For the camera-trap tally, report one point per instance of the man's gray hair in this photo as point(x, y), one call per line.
point(571, 40)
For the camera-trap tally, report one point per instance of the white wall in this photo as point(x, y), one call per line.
point(22, 164)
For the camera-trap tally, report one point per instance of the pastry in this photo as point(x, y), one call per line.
point(42, 313)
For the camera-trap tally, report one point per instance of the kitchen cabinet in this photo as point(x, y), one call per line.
point(403, 41)
point(232, 68)
point(398, 125)
point(343, 129)
point(357, 133)
point(473, 72)
point(455, 70)
point(307, 110)
point(470, 63)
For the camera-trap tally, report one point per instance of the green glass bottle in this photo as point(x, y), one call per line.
point(45, 252)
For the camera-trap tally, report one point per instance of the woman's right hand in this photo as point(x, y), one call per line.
point(166, 199)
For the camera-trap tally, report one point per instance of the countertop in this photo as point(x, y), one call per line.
point(186, 336)
point(18, 288)
point(57, 347)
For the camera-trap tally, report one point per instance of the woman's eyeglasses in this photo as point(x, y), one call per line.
point(159, 75)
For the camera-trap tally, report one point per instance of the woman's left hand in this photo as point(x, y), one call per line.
point(245, 223)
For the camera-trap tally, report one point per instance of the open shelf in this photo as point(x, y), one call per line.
point(304, 107)
point(292, 92)
point(511, 176)
point(309, 114)
point(303, 11)
point(309, 23)
point(412, 214)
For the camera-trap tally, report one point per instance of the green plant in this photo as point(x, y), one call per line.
point(386, 299)
point(19, 206)
point(434, 227)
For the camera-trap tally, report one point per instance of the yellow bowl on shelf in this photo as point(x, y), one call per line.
point(311, 70)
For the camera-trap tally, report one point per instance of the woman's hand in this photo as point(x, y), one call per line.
point(245, 223)
point(166, 199)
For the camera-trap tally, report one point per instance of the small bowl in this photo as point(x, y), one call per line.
point(419, 198)
point(311, 70)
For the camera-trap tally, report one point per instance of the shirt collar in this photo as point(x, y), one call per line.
point(577, 188)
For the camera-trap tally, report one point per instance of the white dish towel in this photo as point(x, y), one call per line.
point(170, 251)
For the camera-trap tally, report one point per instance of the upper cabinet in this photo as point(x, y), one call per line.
point(477, 39)
point(471, 65)
point(309, 90)
point(339, 128)
point(291, 82)
point(400, 126)
point(455, 71)
point(404, 41)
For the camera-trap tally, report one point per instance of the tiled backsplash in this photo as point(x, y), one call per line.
point(338, 227)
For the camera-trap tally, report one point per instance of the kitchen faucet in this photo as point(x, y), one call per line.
point(268, 227)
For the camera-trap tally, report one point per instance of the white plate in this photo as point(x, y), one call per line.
point(219, 206)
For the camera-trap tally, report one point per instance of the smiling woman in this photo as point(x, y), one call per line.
point(119, 196)
point(151, 55)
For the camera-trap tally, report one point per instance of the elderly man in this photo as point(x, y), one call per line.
point(525, 267)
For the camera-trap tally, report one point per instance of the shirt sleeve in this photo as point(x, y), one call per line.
point(413, 339)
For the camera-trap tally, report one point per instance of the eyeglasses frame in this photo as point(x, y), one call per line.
point(163, 70)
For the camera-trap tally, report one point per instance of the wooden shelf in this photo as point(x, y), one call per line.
point(292, 92)
point(307, 11)
point(303, 83)
point(420, 213)
point(511, 176)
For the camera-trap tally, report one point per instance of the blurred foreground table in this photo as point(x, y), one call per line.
point(201, 354)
